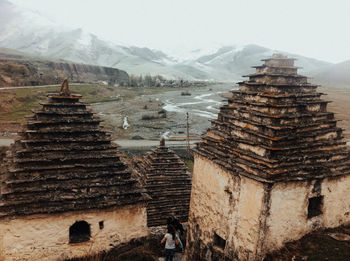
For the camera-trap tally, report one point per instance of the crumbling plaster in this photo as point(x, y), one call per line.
point(46, 237)
point(232, 209)
point(288, 212)
point(256, 218)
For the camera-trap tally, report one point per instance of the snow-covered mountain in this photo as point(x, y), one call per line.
point(231, 62)
point(33, 33)
point(30, 32)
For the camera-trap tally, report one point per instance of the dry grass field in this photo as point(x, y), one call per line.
point(340, 105)
point(112, 103)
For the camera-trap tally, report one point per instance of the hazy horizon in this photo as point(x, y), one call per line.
point(312, 28)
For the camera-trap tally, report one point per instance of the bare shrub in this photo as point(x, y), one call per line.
point(186, 93)
point(162, 113)
point(147, 117)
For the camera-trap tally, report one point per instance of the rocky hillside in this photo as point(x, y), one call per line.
point(18, 69)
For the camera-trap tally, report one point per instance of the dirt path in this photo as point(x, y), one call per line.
point(151, 143)
point(177, 257)
point(34, 87)
point(127, 143)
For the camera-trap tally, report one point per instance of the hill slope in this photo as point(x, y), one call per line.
point(20, 69)
point(335, 75)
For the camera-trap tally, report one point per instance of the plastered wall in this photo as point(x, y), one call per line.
point(227, 205)
point(46, 237)
point(254, 217)
point(288, 212)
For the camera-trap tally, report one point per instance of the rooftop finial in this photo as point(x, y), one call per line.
point(162, 142)
point(279, 55)
point(64, 88)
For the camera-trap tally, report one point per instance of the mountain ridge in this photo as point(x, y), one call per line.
point(24, 31)
point(21, 69)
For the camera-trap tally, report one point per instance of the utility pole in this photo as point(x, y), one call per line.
point(188, 137)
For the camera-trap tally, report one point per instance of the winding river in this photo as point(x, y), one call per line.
point(203, 105)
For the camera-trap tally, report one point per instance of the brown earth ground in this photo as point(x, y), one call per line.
point(330, 244)
point(340, 105)
point(144, 249)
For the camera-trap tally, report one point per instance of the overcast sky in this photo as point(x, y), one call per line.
point(314, 28)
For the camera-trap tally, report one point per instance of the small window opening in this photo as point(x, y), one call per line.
point(315, 207)
point(101, 225)
point(219, 241)
point(79, 232)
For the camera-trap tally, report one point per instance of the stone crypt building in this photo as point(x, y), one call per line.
point(64, 191)
point(272, 168)
point(168, 183)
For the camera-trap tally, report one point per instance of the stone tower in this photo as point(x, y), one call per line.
point(272, 167)
point(64, 190)
point(167, 182)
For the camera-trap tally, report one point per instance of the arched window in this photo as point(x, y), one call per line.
point(79, 232)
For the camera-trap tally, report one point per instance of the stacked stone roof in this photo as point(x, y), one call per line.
point(63, 160)
point(167, 182)
point(276, 127)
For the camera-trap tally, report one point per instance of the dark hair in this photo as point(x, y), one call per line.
point(169, 220)
point(171, 230)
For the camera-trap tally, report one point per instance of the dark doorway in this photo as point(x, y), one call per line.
point(219, 241)
point(79, 232)
point(315, 207)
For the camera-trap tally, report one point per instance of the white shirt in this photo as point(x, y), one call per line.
point(170, 242)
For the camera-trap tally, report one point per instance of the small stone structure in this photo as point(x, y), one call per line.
point(167, 182)
point(64, 190)
point(272, 168)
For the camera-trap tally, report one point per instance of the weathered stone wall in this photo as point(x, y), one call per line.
point(336, 207)
point(227, 205)
point(46, 237)
point(256, 218)
point(288, 219)
point(288, 214)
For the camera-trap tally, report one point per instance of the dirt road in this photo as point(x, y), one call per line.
point(128, 143)
point(34, 87)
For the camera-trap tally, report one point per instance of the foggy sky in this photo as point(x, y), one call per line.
point(314, 28)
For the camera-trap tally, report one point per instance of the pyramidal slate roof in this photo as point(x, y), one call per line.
point(63, 160)
point(168, 183)
point(276, 127)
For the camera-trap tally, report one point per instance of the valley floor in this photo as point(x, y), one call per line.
point(151, 112)
point(340, 105)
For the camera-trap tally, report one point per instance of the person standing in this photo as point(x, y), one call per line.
point(171, 240)
point(179, 230)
